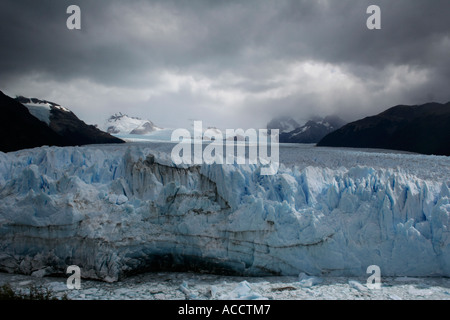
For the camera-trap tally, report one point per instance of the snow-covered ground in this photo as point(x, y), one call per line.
point(162, 135)
point(194, 286)
point(330, 213)
point(40, 111)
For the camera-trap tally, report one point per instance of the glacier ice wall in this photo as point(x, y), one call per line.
point(116, 210)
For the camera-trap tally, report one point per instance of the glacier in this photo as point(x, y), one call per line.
point(117, 210)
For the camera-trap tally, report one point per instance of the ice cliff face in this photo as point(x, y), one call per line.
point(114, 210)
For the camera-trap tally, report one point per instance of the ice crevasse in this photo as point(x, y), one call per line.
point(118, 210)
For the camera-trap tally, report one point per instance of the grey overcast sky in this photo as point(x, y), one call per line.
point(230, 63)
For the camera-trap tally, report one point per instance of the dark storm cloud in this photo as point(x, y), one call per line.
point(244, 50)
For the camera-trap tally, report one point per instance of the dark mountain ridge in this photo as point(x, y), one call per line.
point(421, 128)
point(21, 129)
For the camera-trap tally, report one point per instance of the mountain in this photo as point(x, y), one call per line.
point(123, 124)
point(313, 130)
point(20, 129)
point(65, 123)
point(420, 128)
point(284, 124)
point(43, 123)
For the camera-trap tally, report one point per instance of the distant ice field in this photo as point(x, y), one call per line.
point(304, 155)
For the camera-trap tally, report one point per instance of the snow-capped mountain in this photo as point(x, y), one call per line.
point(284, 124)
point(41, 109)
point(65, 123)
point(20, 129)
point(40, 122)
point(123, 124)
point(313, 131)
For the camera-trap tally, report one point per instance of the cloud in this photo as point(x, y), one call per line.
point(231, 63)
